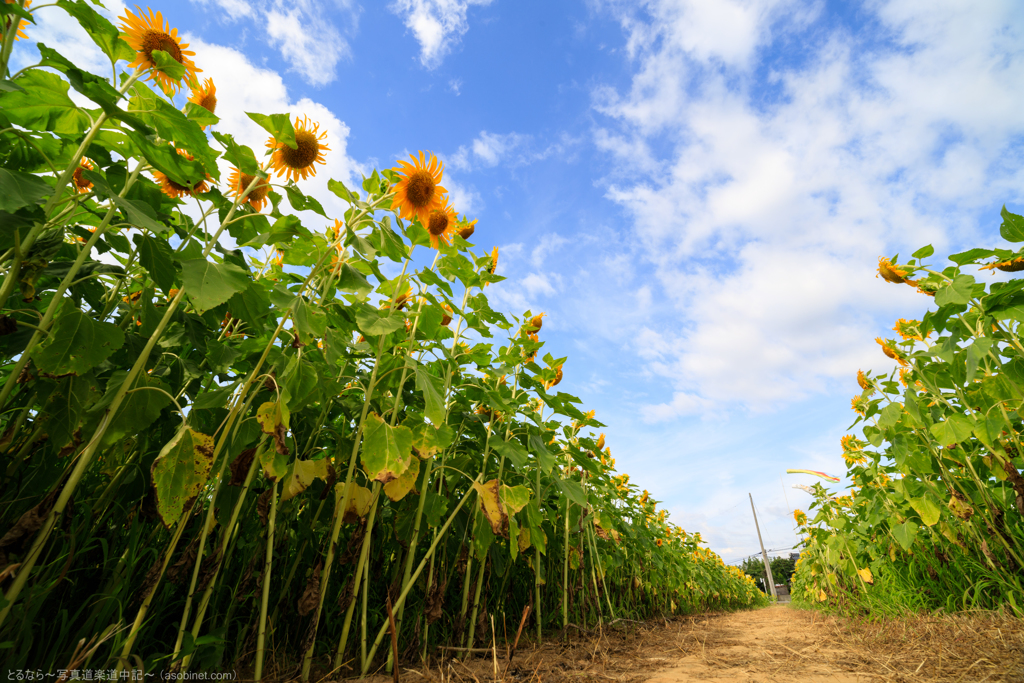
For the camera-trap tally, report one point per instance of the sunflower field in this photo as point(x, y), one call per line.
point(232, 439)
point(934, 518)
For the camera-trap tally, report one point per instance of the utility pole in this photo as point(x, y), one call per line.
point(764, 555)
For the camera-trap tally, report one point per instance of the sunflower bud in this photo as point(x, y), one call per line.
point(537, 321)
point(600, 442)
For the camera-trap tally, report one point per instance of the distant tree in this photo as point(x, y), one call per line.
point(782, 569)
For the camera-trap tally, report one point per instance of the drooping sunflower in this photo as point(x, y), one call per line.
point(862, 381)
point(23, 24)
point(419, 191)
point(904, 374)
point(465, 227)
point(800, 517)
point(81, 184)
point(257, 196)
point(537, 321)
point(174, 189)
point(1011, 266)
point(851, 443)
point(205, 97)
point(446, 316)
point(299, 163)
point(891, 272)
point(908, 329)
point(441, 224)
point(890, 350)
point(494, 263)
point(600, 442)
point(147, 33)
point(859, 405)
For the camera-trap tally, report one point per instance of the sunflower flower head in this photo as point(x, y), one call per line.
point(82, 185)
point(1013, 265)
point(904, 374)
point(908, 329)
point(205, 97)
point(800, 517)
point(537, 321)
point(446, 317)
point(851, 443)
point(889, 349)
point(859, 405)
point(23, 24)
point(299, 163)
point(441, 224)
point(239, 182)
point(863, 383)
point(465, 227)
point(556, 380)
point(148, 33)
point(891, 272)
point(174, 189)
point(419, 191)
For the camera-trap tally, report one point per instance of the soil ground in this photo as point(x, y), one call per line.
point(779, 643)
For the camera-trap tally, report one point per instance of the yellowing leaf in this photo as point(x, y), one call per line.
point(273, 417)
point(525, 539)
point(491, 506)
point(424, 441)
point(359, 499)
point(302, 475)
point(180, 471)
point(514, 498)
point(387, 450)
point(865, 575)
point(396, 489)
point(275, 463)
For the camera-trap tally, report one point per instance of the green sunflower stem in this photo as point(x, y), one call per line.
point(267, 566)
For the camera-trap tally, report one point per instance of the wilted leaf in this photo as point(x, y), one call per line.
point(396, 489)
point(387, 450)
point(491, 506)
point(180, 471)
point(359, 499)
point(302, 474)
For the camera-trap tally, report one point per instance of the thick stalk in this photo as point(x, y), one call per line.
point(267, 566)
point(537, 569)
point(565, 570)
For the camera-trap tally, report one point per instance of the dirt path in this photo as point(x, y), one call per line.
point(780, 643)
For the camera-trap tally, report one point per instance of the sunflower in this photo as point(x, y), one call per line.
point(257, 196)
point(446, 317)
point(889, 349)
point(494, 263)
point(850, 459)
point(600, 442)
point(908, 329)
point(863, 383)
point(419, 191)
point(859, 405)
point(441, 224)
point(892, 273)
point(556, 380)
point(205, 97)
point(851, 443)
point(23, 24)
point(465, 227)
point(904, 373)
point(537, 321)
point(299, 163)
point(83, 185)
point(174, 189)
point(800, 517)
point(536, 340)
point(1011, 266)
point(145, 34)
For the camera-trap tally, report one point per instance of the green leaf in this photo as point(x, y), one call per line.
point(156, 257)
point(351, 280)
point(278, 125)
point(428, 440)
point(180, 472)
point(301, 202)
point(954, 429)
point(308, 320)
point(890, 414)
point(338, 188)
point(970, 256)
point(19, 189)
point(514, 498)
point(373, 324)
point(905, 534)
point(219, 357)
point(214, 399)
point(957, 292)
point(512, 450)
point(173, 125)
point(573, 491)
point(66, 405)
point(138, 213)
point(167, 64)
point(200, 115)
point(14, 8)
point(1012, 228)
point(434, 403)
point(210, 284)
point(164, 158)
point(924, 252)
point(76, 344)
point(387, 450)
point(103, 33)
point(140, 407)
point(928, 510)
point(240, 156)
point(540, 449)
point(43, 104)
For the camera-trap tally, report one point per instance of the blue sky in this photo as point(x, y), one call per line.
point(695, 191)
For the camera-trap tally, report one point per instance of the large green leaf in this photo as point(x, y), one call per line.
point(240, 156)
point(180, 472)
point(511, 450)
point(309, 321)
point(514, 498)
point(905, 533)
point(21, 189)
point(278, 125)
point(928, 510)
point(139, 409)
point(426, 384)
point(957, 292)
point(102, 31)
point(76, 344)
point(1012, 229)
point(953, 430)
point(210, 284)
point(42, 103)
point(156, 257)
point(387, 450)
point(373, 324)
point(573, 491)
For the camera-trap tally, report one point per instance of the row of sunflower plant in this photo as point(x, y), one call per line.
point(261, 456)
point(934, 516)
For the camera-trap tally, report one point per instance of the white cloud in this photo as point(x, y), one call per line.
point(762, 219)
point(305, 32)
point(437, 25)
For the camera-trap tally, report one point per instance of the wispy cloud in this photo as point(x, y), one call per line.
point(438, 25)
point(762, 201)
